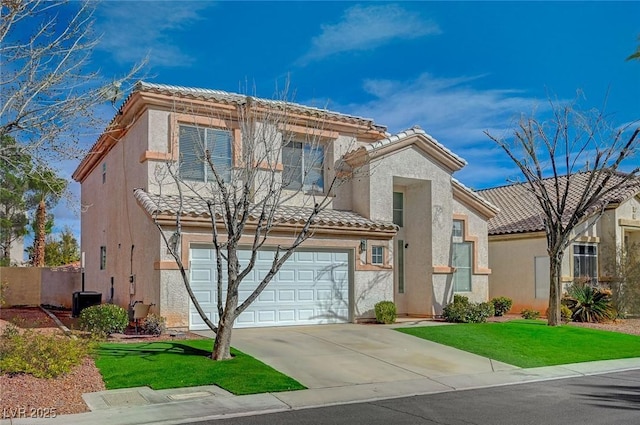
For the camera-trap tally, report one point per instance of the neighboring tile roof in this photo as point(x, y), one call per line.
point(235, 98)
point(520, 211)
point(197, 207)
point(407, 133)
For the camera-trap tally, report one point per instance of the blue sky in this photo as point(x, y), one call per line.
point(455, 69)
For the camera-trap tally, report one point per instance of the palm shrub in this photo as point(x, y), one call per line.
point(104, 319)
point(385, 312)
point(588, 304)
point(501, 305)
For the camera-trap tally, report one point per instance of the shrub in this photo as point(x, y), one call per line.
point(463, 311)
point(529, 314)
point(588, 304)
point(565, 312)
point(104, 319)
point(153, 324)
point(38, 354)
point(385, 312)
point(501, 305)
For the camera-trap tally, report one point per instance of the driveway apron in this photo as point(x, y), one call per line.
point(348, 354)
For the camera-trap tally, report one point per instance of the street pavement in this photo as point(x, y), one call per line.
point(339, 364)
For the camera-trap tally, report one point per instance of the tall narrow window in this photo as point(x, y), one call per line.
point(400, 265)
point(104, 172)
point(461, 261)
point(398, 208)
point(194, 143)
point(303, 166)
point(585, 262)
point(103, 257)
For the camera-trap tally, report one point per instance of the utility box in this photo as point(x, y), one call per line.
point(84, 299)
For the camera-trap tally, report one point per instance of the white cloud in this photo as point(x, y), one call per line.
point(454, 112)
point(367, 27)
point(132, 30)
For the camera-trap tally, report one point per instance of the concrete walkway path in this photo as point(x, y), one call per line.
point(338, 363)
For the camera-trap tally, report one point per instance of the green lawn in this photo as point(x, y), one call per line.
point(174, 364)
point(531, 343)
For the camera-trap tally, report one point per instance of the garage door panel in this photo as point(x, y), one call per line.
point(286, 295)
point(311, 288)
point(267, 295)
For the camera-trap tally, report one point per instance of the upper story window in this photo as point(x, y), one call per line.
point(303, 166)
point(194, 142)
point(585, 261)
point(457, 232)
point(398, 208)
point(104, 172)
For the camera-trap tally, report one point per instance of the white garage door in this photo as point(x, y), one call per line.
point(312, 287)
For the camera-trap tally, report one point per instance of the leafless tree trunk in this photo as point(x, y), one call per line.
point(571, 164)
point(244, 202)
point(47, 96)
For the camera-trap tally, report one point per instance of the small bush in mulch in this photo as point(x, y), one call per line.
point(104, 319)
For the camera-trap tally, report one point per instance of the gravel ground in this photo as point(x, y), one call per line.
point(64, 394)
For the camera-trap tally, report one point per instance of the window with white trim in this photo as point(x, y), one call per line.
point(377, 255)
point(194, 142)
point(462, 257)
point(303, 166)
point(585, 261)
point(398, 209)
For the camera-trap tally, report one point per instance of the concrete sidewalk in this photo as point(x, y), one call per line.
point(339, 364)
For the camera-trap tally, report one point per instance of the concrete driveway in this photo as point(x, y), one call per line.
point(348, 354)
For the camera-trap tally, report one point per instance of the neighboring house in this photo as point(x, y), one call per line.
point(518, 245)
point(402, 230)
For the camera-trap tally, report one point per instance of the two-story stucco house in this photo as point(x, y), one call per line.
point(518, 245)
point(402, 230)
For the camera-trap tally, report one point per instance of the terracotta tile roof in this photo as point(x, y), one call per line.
point(197, 207)
point(520, 211)
point(235, 98)
point(408, 133)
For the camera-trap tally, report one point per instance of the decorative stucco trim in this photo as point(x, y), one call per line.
point(443, 270)
point(474, 240)
point(265, 165)
point(626, 222)
point(156, 156)
point(166, 265)
point(588, 239)
point(311, 131)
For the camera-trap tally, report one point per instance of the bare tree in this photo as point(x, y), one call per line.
point(571, 164)
point(47, 96)
point(246, 201)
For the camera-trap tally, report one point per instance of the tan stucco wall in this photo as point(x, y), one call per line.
point(111, 217)
point(512, 272)
point(23, 285)
point(33, 286)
